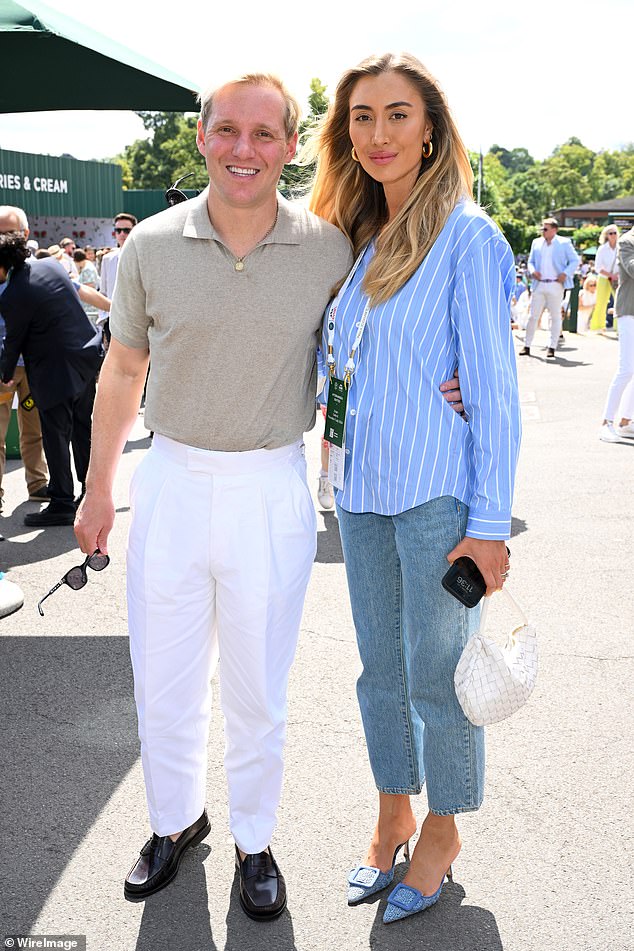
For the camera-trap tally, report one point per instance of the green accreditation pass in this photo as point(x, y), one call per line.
point(336, 412)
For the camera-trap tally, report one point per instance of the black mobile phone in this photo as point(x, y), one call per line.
point(465, 581)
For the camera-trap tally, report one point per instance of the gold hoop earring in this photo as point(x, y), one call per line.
point(353, 153)
point(430, 149)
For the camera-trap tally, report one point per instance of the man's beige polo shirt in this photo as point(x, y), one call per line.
point(232, 353)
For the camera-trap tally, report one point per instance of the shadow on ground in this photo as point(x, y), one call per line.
point(69, 739)
point(328, 542)
point(448, 925)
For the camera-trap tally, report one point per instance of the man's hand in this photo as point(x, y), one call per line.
point(490, 557)
point(450, 389)
point(561, 278)
point(537, 275)
point(94, 521)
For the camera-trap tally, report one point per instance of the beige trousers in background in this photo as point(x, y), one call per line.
point(35, 470)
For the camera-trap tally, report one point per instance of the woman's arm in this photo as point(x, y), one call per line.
point(487, 367)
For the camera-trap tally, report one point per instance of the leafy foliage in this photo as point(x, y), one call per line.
point(586, 237)
point(518, 191)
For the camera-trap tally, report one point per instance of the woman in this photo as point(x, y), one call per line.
point(422, 486)
point(587, 302)
point(607, 273)
point(88, 277)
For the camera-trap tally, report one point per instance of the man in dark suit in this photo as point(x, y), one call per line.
point(62, 353)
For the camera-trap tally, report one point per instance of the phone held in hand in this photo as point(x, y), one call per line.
point(465, 582)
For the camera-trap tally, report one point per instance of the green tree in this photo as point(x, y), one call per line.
point(168, 154)
point(296, 177)
point(515, 160)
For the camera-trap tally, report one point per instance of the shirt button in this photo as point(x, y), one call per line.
point(347, 452)
point(353, 412)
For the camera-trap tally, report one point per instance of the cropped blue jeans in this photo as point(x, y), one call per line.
point(410, 633)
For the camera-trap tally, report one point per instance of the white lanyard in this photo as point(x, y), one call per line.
point(330, 359)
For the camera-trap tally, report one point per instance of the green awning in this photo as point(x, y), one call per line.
point(50, 62)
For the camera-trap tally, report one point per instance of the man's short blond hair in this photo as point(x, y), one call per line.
point(292, 110)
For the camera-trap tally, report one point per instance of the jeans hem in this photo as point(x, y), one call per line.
point(453, 812)
point(400, 790)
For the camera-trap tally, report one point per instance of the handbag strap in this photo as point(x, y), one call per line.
point(504, 591)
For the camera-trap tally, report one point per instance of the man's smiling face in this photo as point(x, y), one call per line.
point(245, 145)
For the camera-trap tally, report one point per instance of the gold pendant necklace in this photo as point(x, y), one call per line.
point(239, 262)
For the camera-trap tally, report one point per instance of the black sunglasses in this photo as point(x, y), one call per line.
point(122, 230)
point(76, 577)
point(174, 195)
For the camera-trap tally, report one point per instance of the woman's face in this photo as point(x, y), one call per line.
point(612, 236)
point(388, 126)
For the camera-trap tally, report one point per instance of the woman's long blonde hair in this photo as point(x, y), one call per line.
point(345, 195)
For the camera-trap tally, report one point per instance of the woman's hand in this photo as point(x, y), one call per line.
point(490, 556)
point(450, 389)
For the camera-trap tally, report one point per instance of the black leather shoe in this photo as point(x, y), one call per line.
point(524, 352)
point(550, 352)
point(262, 885)
point(158, 862)
point(50, 516)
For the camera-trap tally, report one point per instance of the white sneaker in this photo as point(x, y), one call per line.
point(325, 493)
point(11, 596)
point(607, 433)
point(627, 430)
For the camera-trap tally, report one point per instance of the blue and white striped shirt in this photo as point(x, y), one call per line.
point(404, 444)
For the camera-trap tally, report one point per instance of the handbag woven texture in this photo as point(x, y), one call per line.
point(493, 681)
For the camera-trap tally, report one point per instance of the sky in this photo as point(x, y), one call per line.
point(530, 75)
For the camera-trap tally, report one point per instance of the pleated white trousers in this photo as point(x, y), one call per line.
point(220, 551)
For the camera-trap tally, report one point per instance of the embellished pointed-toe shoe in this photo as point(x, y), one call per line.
point(405, 901)
point(366, 880)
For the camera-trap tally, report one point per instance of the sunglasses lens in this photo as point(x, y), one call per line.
point(98, 561)
point(75, 579)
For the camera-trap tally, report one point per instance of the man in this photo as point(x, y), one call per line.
point(35, 471)
point(122, 226)
point(62, 353)
point(68, 247)
point(552, 263)
point(225, 293)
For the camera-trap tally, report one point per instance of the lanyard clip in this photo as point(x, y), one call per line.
point(330, 360)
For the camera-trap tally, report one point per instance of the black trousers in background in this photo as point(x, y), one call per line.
point(64, 424)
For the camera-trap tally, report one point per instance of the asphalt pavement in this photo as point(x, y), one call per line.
point(546, 863)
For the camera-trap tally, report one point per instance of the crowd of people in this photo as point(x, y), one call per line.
point(594, 312)
point(415, 282)
point(33, 335)
point(604, 303)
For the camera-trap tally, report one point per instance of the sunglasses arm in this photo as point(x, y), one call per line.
point(52, 591)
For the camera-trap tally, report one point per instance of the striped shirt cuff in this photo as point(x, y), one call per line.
point(488, 527)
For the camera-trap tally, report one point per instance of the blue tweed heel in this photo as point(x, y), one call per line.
point(405, 901)
point(366, 880)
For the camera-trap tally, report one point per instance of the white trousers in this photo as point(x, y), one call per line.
point(550, 296)
point(621, 392)
point(220, 552)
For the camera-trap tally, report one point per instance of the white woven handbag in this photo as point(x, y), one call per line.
point(493, 681)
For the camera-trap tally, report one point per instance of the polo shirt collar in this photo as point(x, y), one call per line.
point(198, 225)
